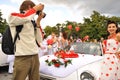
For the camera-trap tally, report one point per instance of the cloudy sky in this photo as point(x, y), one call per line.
point(59, 11)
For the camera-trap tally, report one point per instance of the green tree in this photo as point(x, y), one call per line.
point(3, 23)
point(94, 26)
point(48, 30)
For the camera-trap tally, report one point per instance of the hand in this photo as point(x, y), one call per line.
point(39, 7)
point(41, 15)
point(117, 55)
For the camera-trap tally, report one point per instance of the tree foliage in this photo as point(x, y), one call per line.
point(3, 23)
point(94, 26)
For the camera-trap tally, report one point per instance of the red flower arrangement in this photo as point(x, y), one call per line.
point(66, 54)
point(61, 58)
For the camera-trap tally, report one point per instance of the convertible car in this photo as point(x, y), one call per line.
point(84, 67)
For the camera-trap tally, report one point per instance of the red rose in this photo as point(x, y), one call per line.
point(53, 60)
point(57, 65)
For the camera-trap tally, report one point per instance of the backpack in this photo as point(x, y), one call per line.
point(8, 44)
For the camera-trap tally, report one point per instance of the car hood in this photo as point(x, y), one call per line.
point(62, 71)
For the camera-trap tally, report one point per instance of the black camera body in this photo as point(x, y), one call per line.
point(38, 12)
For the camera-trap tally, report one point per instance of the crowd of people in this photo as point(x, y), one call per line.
point(55, 42)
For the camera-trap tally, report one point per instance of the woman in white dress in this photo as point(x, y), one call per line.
point(110, 69)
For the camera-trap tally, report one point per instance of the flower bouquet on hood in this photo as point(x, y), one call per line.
point(66, 54)
point(57, 62)
point(61, 58)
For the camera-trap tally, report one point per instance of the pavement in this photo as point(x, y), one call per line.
point(4, 75)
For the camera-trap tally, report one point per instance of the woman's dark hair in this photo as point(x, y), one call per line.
point(26, 5)
point(113, 22)
point(64, 35)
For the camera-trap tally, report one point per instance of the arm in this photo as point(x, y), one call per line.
point(19, 18)
point(39, 34)
point(40, 16)
point(118, 39)
point(118, 54)
point(104, 45)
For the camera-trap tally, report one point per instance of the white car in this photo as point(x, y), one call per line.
point(85, 67)
point(3, 58)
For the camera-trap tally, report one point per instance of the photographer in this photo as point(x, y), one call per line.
point(26, 50)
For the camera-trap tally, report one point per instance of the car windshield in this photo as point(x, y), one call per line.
point(87, 48)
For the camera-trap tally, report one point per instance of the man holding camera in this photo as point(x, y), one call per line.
point(26, 50)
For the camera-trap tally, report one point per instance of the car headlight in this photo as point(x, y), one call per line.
point(87, 76)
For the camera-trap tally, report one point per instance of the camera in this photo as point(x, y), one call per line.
point(38, 12)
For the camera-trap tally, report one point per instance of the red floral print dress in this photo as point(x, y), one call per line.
point(110, 69)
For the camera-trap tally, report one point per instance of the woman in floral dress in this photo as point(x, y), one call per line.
point(110, 69)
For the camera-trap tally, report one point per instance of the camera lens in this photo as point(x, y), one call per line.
point(44, 15)
point(38, 12)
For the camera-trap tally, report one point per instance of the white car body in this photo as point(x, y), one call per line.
point(89, 71)
point(3, 58)
point(93, 69)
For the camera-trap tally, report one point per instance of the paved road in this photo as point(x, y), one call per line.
point(4, 75)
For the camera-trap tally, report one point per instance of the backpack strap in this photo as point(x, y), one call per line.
point(18, 30)
point(34, 25)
